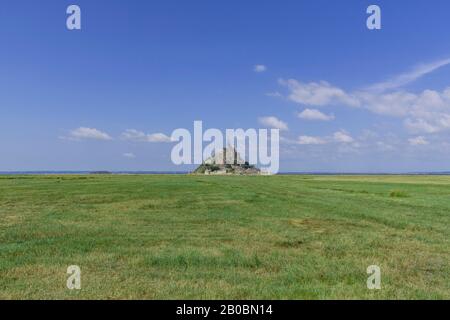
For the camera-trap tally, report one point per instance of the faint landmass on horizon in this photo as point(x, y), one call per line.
point(437, 173)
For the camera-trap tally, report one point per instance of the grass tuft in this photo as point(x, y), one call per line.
point(398, 194)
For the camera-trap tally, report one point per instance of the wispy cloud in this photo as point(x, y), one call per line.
point(129, 155)
point(84, 133)
point(342, 137)
point(408, 77)
point(314, 114)
point(135, 135)
point(273, 122)
point(418, 141)
point(308, 140)
point(338, 137)
point(275, 94)
point(318, 93)
point(259, 68)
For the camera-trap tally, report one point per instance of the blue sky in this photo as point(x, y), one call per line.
point(352, 99)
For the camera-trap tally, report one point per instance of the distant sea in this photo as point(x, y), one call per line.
point(90, 172)
point(186, 172)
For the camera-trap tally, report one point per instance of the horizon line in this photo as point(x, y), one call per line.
point(174, 172)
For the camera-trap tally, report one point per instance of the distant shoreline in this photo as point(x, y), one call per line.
point(4, 173)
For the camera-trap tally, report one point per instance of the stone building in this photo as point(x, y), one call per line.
point(225, 156)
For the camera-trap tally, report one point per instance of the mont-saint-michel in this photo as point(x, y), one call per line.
point(260, 146)
point(227, 162)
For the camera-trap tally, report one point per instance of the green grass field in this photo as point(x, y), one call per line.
point(212, 237)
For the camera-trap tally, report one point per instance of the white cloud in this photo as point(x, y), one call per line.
point(129, 155)
point(406, 78)
point(134, 135)
point(424, 112)
point(420, 125)
point(342, 137)
point(427, 112)
point(88, 133)
point(308, 140)
point(158, 137)
point(273, 122)
point(259, 68)
point(418, 141)
point(314, 114)
point(395, 104)
point(318, 94)
point(339, 137)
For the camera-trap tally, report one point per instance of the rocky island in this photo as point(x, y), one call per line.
point(227, 162)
